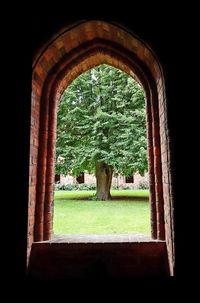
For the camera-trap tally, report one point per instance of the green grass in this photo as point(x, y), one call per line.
point(86, 194)
point(75, 214)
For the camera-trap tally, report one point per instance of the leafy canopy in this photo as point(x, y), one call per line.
point(101, 117)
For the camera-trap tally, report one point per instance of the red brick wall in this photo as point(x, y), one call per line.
point(60, 62)
point(51, 261)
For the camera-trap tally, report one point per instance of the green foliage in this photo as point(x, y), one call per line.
point(101, 117)
point(143, 185)
point(72, 187)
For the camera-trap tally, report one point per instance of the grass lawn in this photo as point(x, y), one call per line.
point(75, 213)
point(86, 194)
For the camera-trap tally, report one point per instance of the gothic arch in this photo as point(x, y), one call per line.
point(69, 53)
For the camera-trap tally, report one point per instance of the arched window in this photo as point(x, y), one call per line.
point(67, 55)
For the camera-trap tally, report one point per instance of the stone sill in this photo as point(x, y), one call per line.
point(101, 238)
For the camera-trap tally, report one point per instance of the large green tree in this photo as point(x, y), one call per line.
point(101, 127)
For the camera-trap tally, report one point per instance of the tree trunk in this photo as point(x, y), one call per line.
point(104, 174)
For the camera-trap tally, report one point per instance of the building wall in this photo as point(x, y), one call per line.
point(120, 180)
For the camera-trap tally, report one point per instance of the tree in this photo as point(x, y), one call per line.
point(101, 127)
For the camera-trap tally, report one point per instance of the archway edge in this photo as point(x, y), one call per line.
point(92, 54)
point(70, 37)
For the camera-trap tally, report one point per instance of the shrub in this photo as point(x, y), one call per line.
point(71, 187)
point(121, 187)
point(115, 187)
point(91, 186)
point(143, 185)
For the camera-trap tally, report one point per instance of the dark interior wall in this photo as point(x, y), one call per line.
point(164, 33)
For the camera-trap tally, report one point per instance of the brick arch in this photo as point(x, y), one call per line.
point(66, 56)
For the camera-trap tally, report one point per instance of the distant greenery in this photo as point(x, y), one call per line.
point(75, 186)
point(101, 118)
point(143, 185)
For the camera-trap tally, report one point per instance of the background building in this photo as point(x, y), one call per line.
point(135, 181)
